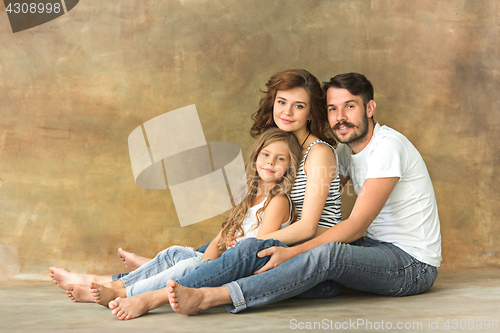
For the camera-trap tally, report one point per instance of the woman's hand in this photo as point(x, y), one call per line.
point(278, 256)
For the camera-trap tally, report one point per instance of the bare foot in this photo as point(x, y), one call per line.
point(129, 308)
point(136, 306)
point(103, 295)
point(63, 278)
point(183, 300)
point(79, 293)
point(132, 260)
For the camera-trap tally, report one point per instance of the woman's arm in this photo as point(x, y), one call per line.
point(321, 170)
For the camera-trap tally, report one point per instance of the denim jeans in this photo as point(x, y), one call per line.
point(201, 249)
point(324, 271)
point(170, 263)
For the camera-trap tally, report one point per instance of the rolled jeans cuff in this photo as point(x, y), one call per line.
point(118, 276)
point(237, 297)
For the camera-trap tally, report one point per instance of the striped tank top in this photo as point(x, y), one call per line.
point(331, 212)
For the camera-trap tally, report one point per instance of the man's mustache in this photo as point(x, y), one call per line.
point(342, 124)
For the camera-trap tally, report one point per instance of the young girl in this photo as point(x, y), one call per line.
point(270, 173)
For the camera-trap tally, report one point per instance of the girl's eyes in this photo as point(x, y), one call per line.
point(279, 158)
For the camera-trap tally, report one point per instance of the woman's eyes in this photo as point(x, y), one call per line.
point(298, 106)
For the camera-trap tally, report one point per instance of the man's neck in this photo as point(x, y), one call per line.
point(358, 146)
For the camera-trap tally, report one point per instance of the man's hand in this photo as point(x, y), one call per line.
point(278, 256)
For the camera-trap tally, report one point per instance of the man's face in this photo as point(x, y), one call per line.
point(347, 116)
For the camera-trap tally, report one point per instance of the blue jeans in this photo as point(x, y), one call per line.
point(324, 271)
point(201, 249)
point(170, 263)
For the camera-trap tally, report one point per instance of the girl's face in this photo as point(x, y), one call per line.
point(272, 161)
point(291, 109)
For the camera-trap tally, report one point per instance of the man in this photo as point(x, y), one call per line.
point(395, 208)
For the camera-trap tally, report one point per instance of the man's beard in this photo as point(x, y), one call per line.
point(363, 131)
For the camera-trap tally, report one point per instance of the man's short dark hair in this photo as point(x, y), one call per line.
point(356, 84)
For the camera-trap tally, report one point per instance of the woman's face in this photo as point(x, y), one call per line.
point(291, 109)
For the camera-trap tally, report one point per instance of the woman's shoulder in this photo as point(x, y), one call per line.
point(320, 149)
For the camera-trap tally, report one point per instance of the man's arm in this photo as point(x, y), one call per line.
point(370, 201)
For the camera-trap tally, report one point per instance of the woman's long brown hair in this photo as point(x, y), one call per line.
point(287, 80)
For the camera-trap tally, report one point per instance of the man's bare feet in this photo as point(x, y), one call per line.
point(129, 308)
point(79, 293)
point(183, 300)
point(132, 260)
point(103, 295)
point(63, 278)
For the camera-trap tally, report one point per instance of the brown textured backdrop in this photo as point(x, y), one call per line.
point(73, 89)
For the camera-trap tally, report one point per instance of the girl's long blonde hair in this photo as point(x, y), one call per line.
point(232, 225)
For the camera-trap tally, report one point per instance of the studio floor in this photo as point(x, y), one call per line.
point(458, 302)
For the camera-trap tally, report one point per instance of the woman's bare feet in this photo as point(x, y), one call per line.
point(136, 306)
point(132, 260)
point(79, 293)
point(103, 295)
point(64, 278)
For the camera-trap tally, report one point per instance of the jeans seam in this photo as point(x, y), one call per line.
point(287, 286)
point(245, 258)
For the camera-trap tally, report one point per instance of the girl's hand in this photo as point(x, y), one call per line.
point(230, 243)
point(278, 256)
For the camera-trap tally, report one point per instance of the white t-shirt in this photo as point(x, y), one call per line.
point(249, 225)
point(409, 219)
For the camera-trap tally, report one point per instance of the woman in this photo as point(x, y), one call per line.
point(294, 102)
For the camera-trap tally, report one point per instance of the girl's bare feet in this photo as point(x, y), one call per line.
point(132, 260)
point(103, 295)
point(79, 293)
point(64, 278)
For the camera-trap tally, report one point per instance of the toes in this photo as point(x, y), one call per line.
point(121, 315)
